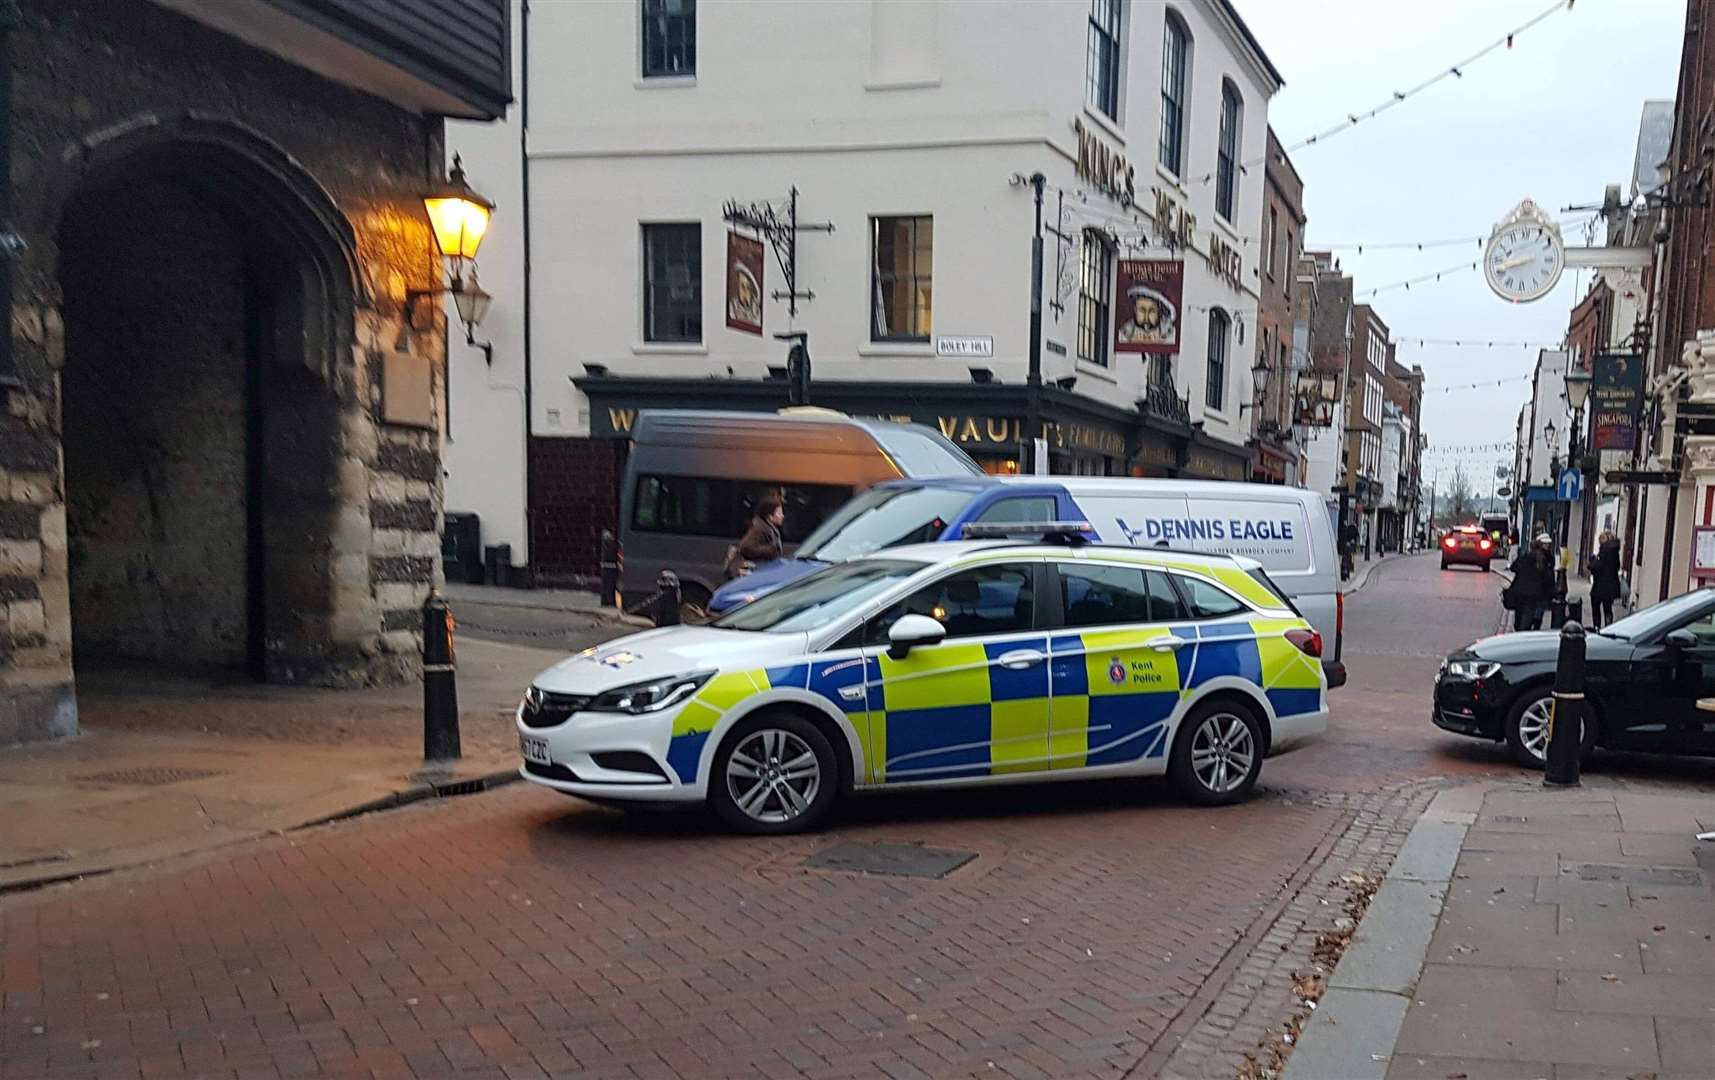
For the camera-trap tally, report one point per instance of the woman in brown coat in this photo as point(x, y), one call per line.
point(761, 542)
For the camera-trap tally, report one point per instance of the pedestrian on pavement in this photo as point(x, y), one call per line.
point(761, 542)
point(1604, 580)
point(1532, 584)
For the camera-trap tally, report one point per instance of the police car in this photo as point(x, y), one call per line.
point(972, 662)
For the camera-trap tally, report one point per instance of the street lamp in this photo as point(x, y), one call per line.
point(1577, 389)
point(1259, 385)
point(459, 217)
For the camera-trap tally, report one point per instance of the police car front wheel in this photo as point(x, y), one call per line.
point(774, 774)
point(1217, 754)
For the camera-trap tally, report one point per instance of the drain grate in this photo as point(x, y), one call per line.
point(149, 776)
point(892, 860)
point(1635, 875)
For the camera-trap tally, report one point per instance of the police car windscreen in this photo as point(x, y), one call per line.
point(884, 517)
point(812, 602)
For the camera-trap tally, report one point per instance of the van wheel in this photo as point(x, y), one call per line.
point(1217, 753)
point(774, 773)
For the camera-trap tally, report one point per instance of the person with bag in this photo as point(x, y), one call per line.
point(1532, 585)
point(761, 542)
point(1604, 580)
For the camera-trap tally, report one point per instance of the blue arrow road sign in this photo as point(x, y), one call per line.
point(1570, 484)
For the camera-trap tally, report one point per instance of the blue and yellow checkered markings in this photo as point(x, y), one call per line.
point(936, 715)
point(830, 676)
point(1291, 681)
point(698, 717)
point(1225, 650)
point(1018, 708)
point(1132, 692)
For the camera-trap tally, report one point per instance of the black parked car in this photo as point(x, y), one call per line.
point(1644, 677)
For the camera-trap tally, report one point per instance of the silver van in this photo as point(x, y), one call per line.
point(693, 477)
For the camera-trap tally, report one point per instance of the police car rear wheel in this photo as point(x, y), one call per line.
point(1217, 754)
point(774, 774)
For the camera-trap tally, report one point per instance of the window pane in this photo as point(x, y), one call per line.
point(1101, 75)
point(1094, 285)
point(669, 37)
point(1103, 595)
point(1215, 390)
point(1009, 511)
point(672, 283)
point(901, 286)
point(1227, 152)
point(979, 602)
point(1164, 602)
point(1207, 601)
point(1173, 55)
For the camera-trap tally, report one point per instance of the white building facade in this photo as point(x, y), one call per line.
point(913, 130)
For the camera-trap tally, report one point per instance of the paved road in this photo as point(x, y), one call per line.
point(1101, 930)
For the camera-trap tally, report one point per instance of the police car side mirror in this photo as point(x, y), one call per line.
point(912, 630)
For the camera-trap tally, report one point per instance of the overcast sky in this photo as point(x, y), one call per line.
point(1555, 119)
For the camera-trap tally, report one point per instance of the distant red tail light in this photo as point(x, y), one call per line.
point(1484, 544)
point(1309, 642)
point(1450, 542)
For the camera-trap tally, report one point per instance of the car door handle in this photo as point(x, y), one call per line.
point(1167, 643)
point(1020, 658)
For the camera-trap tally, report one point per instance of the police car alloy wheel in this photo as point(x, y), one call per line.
point(1217, 754)
point(774, 774)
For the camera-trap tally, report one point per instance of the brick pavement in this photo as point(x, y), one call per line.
point(527, 935)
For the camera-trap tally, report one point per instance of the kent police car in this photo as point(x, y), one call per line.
point(972, 662)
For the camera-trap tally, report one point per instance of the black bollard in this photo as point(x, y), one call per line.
point(1565, 725)
point(667, 599)
point(609, 570)
point(440, 685)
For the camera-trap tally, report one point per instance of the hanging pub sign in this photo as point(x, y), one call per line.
point(744, 283)
point(1146, 305)
point(1616, 397)
point(1314, 398)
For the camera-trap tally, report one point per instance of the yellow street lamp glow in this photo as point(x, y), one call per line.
point(458, 215)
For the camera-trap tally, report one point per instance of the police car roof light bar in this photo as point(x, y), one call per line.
point(1047, 532)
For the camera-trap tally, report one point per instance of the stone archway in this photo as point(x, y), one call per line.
point(207, 288)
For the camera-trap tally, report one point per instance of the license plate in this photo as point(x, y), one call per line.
point(534, 749)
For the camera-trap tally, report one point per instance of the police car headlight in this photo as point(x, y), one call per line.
point(1472, 669)
point(651, 696)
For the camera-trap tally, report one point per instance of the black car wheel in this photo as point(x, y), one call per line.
point(1485, 567)
point(1444, 562)
point(1528, 728)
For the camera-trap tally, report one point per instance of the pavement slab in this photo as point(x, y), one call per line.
point(1589, 952)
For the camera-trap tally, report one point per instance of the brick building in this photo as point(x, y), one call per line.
point(1277, 455)
point(222, 442)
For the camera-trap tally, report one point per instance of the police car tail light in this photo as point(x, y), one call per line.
point(1309, 642)
point(651, 696)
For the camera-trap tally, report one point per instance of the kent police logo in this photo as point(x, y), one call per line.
point(1116, 671)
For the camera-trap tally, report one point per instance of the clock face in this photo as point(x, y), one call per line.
point(1523, 261)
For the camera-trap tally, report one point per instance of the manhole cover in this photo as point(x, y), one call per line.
point(1635, 875)
point(895, 860)
point(149, 776)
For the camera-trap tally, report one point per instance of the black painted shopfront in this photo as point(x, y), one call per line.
point(1085, 437)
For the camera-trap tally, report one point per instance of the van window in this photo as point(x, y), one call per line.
point(884, 517)
point(714, 506)
point(1023, 508)
point(917, 453)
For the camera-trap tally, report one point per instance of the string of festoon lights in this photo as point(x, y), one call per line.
point(1467, 449)
point(1452, 71)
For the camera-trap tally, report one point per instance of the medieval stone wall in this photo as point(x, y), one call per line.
point(354, 503)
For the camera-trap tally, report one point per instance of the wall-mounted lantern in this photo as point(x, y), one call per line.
point(459, 216)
